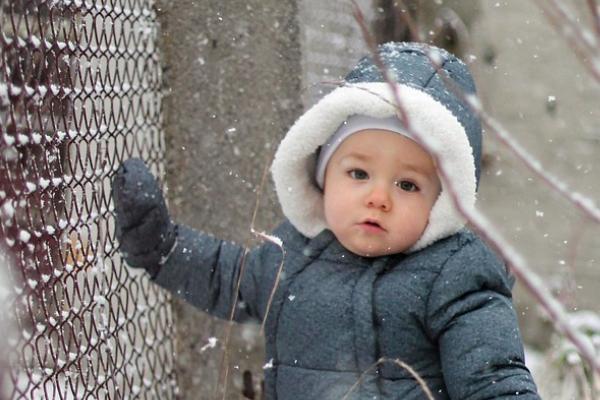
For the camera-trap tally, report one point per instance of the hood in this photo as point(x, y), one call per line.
point(432, 109)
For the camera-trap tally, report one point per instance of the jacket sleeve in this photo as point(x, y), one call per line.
point(471, 316)
point(204, 271)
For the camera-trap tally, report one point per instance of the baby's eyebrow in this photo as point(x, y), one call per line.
point(415, 168)
point(359, 156)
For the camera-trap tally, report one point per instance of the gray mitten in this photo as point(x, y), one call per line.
point(143, 227)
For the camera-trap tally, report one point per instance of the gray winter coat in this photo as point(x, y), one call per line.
point(445, 311)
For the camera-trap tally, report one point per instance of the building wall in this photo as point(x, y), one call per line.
point(331, 43)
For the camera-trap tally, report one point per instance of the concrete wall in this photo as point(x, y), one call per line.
point(232, 78)
point(331, 43)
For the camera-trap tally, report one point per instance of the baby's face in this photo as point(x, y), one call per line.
point(379, 189)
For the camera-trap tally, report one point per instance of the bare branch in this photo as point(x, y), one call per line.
point(568, 284)
point(593, 6)
point(401, 364)
point(568, 25)
point(224, 367)
point(517, 263)
point(405, 15)
point(449, 16)
point(583, 43)
point(584, 204)
point(278, 243)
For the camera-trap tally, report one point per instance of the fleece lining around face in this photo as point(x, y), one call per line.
point(445, 124)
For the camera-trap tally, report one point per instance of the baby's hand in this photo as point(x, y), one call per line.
point(143, 227)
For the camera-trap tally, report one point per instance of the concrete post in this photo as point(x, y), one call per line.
point(232, 78)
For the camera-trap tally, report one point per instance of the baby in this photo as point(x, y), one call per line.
point(378, 264)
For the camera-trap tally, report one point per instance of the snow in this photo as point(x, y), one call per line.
point(101, 300)
point(273, 239)
point(14, 90)
point(473, 101)
point(24, 236)
point(9, 140)
point(8, 209)
point(212, 342)
point(44, 183)
point(3, 92)
point(23, 139)
point(436, 57)
point(49, 387)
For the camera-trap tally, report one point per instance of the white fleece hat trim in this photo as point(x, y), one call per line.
point(293, 167)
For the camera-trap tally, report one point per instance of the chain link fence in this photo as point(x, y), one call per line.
point(80, 91)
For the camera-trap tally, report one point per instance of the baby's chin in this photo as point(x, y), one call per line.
point(372, 251)
point(374, 254)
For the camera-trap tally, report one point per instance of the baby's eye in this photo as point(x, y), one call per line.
point(407, 186)
point(358, 174)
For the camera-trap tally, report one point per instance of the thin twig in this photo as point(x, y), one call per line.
point(593, 6)
point(479, 222)
point(410, 22)
point(224, 368)
point(569, 25)
point(518, 265)
point(279, 244)
point(449, 16)
point(398, 362)
point(270, 238)
point(575, 34)
point(569, 284)
point(584, 204)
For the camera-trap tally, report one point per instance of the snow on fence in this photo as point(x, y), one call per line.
point(80, 91)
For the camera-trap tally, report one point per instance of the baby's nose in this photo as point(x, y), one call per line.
point(379, 198)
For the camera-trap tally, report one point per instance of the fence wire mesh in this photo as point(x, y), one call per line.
point(80, 91)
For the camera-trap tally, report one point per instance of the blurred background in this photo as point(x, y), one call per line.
point(204, 90)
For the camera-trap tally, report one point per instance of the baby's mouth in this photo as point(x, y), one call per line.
point(372, 224)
